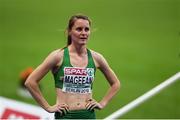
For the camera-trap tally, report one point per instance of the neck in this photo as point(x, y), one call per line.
point(81, 49)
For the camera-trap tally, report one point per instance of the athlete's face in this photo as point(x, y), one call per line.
point(80, 32)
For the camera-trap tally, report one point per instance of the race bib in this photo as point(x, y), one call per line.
point(78, 80)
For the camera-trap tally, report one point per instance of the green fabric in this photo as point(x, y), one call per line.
point(58, 76)
point(76, 114)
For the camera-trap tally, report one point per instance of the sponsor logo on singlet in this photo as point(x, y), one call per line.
point(78, 80)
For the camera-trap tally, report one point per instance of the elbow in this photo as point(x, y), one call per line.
point(117, 85)
point(30, 82)
point(27, 83)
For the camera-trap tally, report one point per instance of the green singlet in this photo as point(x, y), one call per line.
point(75, 80)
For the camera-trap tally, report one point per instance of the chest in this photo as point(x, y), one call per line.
point(78, 61)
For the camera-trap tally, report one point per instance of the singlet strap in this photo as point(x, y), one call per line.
point(66, 58)
point(90, 60)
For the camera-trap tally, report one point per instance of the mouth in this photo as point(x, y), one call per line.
point(83, 38)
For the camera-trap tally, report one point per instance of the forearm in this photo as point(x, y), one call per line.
point(110, 93)
point(37, 95)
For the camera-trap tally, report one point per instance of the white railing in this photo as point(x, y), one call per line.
point(144, 97)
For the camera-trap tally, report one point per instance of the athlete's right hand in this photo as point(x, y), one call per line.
point(62, 108)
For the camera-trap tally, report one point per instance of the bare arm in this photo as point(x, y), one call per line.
point(33, 80)
point(112, 79)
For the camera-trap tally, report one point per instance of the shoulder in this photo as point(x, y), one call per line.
point(57, 53)
point(56, 56)
point(98, 58)
point(96, 55)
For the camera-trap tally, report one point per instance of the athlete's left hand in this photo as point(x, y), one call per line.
point(93, 104)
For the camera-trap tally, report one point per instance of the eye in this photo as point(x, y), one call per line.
point(86, 29)
point(79, 29)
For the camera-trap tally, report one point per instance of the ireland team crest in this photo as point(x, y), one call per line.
point(90, 72)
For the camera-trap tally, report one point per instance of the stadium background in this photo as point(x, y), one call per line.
point(140, 40)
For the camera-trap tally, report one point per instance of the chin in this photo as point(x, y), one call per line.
point(83, 42)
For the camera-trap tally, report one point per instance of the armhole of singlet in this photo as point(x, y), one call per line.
point(59, 83)
point(91, 60)
point(66, 58)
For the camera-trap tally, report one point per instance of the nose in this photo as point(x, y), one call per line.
point(83, 32)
